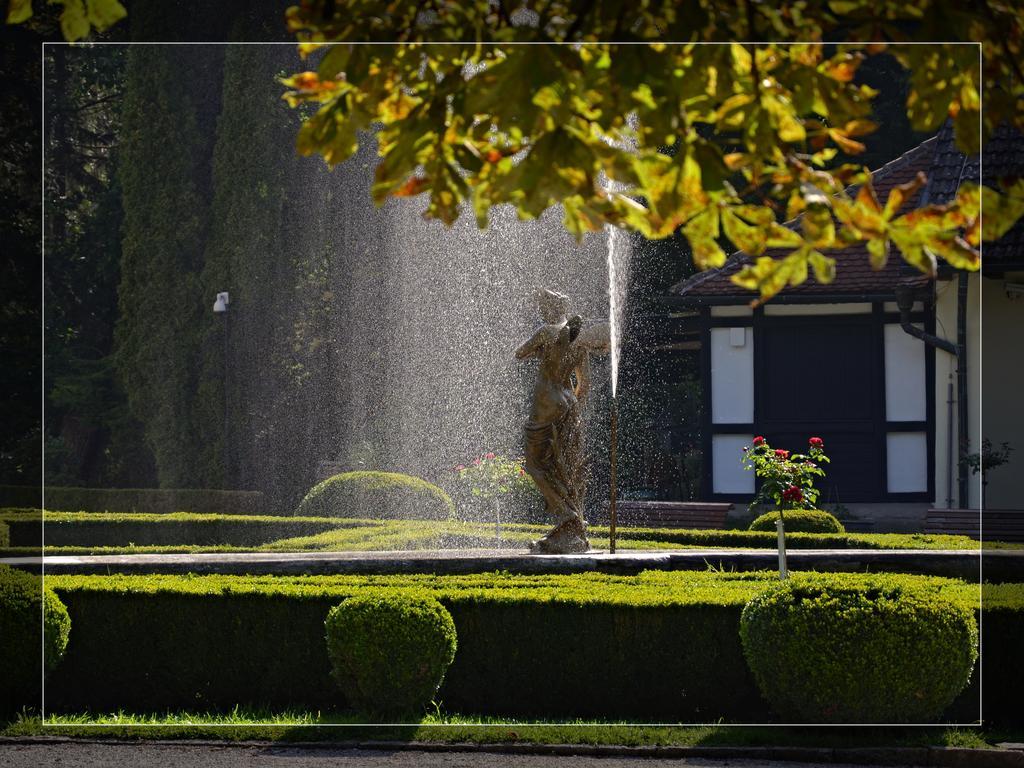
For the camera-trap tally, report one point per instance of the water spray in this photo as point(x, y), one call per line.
point(614, 339)
point(613, 454)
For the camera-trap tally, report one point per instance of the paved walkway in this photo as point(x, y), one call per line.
point(227, 756)
point(999, 565)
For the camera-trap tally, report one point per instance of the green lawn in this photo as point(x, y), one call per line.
point(297, 726)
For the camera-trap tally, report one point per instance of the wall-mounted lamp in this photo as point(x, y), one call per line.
point(221, 304)
point(1014, 291)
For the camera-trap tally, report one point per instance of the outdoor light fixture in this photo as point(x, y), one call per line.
point(1014, 291)
point(221, 304)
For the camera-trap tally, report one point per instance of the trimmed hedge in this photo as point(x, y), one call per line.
point(799, 521)
point(22, 601)
point(151, 500)
point(5, 534)
point(390, 653)
point(101, 529)
point(825, 651)
point(377, 495)
point(659, 646)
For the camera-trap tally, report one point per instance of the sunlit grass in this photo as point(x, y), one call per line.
point(300, 725)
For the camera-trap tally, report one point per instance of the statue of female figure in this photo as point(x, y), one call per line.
point(554, 438)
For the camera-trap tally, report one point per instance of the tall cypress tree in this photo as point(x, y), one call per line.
point(171, 96)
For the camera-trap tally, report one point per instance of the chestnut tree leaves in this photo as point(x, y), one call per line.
point(718, 140)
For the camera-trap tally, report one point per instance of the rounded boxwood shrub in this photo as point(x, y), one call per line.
point(824, 649)
point(389, 653)
point(799, 521)
point(23, 640)
point(377, 495)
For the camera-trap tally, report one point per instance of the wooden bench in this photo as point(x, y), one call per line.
point(671, 514)
point(998, 524)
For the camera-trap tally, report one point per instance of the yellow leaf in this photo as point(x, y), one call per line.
point(74, 24)
point(702, 232)
point(913, 250)
point(748, 239)
point(103, 13)
point(824, 267)
point(735, 160)
point(903, 192)
point(19, 11)
point(878, 252)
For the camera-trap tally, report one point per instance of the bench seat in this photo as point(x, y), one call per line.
point(672, 514)
point(997, 524)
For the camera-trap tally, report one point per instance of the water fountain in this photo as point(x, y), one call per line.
point(618, 277)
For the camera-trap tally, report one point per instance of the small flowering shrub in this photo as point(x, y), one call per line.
point(494, 485)
point(787, 479)
point(491, 476)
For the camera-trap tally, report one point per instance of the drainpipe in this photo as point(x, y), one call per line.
point(961, 387)
point(905, 302)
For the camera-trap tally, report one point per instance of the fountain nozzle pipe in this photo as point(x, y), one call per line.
point(613, 456)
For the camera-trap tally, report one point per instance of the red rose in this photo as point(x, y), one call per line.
point(782, 454)
point(459, 467)
point(476, 462)
point(758, 440)
point(489, 456)
point(793, 494)
point(817, 442)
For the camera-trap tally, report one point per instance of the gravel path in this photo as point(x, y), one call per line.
point(67, 755)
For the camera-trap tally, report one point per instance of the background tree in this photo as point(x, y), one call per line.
point(756, 133)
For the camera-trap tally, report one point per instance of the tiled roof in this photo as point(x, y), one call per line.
point(1002, 156)
point(946, 169)
point(854, 275)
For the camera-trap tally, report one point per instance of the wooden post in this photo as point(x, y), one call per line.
point(780, 527)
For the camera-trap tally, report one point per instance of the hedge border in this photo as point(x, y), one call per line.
point(153, 500)
point(652, 635)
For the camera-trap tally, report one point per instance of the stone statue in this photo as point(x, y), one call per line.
point(554, 436)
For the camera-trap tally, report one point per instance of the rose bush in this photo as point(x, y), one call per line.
point(787, 479)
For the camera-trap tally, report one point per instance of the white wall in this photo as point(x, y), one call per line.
point(905, 376)
point(732, 376)
point(728, 474)
point(906, 455)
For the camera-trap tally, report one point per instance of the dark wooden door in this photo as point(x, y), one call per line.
point(822, 377)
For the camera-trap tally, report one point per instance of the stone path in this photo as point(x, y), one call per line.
point(998, 565)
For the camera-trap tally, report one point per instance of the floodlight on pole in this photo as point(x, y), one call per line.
point(221, 304)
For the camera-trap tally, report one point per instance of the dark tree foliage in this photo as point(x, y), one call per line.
point(20, 215)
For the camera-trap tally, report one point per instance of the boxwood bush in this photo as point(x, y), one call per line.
point(825, 650)
point(799, 521)
point(377, 495)
point(22, 636)
point(390, 653)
